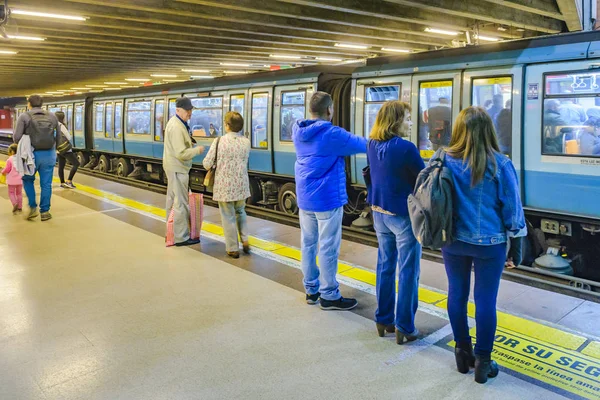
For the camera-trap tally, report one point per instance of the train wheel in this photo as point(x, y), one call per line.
point(255, 192)
point(287, 199)
point(103, 164)
point(82, 158)
point(123, 167)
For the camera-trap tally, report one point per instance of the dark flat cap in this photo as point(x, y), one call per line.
point(185, 103)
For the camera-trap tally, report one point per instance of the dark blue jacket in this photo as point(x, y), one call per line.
point(395, 165)
point(320, 168)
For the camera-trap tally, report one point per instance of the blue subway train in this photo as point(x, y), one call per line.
point(543, 95)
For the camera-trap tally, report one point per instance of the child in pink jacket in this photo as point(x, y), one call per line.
point(14, 181)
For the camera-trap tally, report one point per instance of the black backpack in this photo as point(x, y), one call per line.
point(63, 145)
point(41, 130)
point(430, 206)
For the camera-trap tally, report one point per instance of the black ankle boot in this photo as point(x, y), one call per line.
point(485, 368)
point(465, 359)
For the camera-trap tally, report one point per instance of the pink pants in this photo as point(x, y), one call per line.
point(15, 194)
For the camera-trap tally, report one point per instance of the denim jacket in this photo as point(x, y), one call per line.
point(490, 212)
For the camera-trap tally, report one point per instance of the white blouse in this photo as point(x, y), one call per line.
point(231, 176)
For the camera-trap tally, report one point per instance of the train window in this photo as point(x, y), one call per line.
point(139, 118)
point(78, 118)
point(236, 103)
point(159, 118)
point(259, 119)
point(293, 108)
point(375, 96)
point(109, 120)
point(172, 108)
point(207, 117)
point(571, 114)
point(435, 116)
point(99, 117)
point(118, 119)
point(495, 95)
point(70, 118)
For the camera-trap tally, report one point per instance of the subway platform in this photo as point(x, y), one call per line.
point(95, 307)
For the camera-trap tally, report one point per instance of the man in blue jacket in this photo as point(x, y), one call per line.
point(321, 193)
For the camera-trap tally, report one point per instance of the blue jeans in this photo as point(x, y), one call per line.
point(399, 249)
point(488, 263)
point(321, 233)
point(44, 165)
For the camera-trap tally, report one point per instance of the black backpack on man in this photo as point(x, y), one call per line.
point(42, 130)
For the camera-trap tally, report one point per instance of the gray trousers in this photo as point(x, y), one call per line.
point(178, 199)
point(233, 219)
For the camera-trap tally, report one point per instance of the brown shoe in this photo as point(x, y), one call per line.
point(233, 254)
point(246, 248)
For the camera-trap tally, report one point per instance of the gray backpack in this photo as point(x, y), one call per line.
point(41, 130)
point(430, 206)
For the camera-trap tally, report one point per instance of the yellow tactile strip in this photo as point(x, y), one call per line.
point(516, 324)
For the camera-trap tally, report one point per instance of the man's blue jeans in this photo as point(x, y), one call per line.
point(398, 249)
point(321, 233)
point(44, 165)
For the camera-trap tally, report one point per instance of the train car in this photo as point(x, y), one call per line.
point(543, 95)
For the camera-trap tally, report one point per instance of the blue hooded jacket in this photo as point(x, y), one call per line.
point(320, 167)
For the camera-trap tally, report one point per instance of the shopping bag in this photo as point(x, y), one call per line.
point(3, 179)
point(170, 237)
point(196, 214)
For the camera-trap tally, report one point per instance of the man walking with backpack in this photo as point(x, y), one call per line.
point(42, 128)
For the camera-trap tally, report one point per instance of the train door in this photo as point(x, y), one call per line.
point(261, 154)
point(69, 116)
point(499, 92)
point(118, 128)
point(98, 123)
point(159, 128)
point(435, 105)
point(370, 96)
point(206, 123)
point(138, 127)
point(79, 126)
point(291, 104)
point(109, 125)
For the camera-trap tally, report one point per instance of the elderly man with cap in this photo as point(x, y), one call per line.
point(177, 162)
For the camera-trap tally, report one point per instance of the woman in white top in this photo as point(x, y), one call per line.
point(62, 159)
point(231, 187)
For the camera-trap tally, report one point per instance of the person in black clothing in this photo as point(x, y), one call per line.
point(68, 156)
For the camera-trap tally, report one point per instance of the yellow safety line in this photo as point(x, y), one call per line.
point(521, 325)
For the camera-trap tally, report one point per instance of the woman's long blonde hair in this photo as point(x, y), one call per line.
point(390, 120)
point(474, 140)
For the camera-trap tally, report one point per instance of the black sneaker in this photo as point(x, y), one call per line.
point(312, 298)
point(341, 304)
point(189, 242)
point(33, 213)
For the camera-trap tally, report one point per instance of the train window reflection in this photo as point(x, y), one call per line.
point(118, 119)
point(236, 103)
point(574, 83)
point(172, 108)
point(375, 96)
point(435, 116)
point(159, 116)
point(495, 95)
point(207, 117)
point(109, 120)
point(79, 118)
point(99, 117)
point(70, 118)
point(139, 119)
point(259, 120)
point(293, 108)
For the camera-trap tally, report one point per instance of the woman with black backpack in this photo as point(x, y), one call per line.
point(66, 156)
point(487, 213)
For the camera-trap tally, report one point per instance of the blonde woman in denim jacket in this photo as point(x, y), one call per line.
point(487, 213)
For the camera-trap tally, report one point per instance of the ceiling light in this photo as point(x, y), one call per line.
point(200, 71)
point(202, 77)
point(173, 80)
point(487, 38)
point(395, 50)
point(163, 76)
point(19, 37)
point(352, 46)
point(235, 65)
point(137, 80)
point(441, 31)
point(113, 88)
point(235, 72)
point(96, 86)
point(78, 93)
point(79, 88)
point(286, 57)
point(94, 91)
point(115, 83)
point(360, 60)
point(8, 52)
point(129, 87)
point(47, 15)
point(329, 59)
point(65, 90)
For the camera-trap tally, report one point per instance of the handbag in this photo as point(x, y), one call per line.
point(62, 143)
point(209, 178)
point(366, 171)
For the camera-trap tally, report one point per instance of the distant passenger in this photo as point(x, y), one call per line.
point(231, 188)
point(41, 127)
point(394, 166)
point(503, 124)
point(321, 192)
point(589, 140)
point(487, 104)
point(497, 106)
point(572, 113)
point(13, 181)
point(212, 131)
point(487, 214)
point(177, 162)
point(552, 123)
point(68, 156)
point(438, 119)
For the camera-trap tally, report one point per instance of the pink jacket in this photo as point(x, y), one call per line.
point(12, 175)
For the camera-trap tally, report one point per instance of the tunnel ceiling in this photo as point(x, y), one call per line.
point(118, 40)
